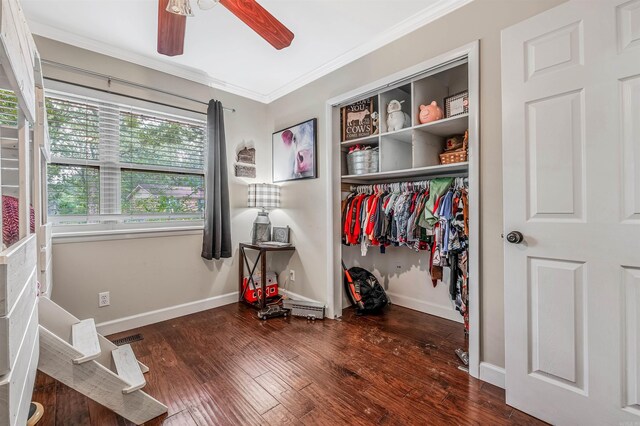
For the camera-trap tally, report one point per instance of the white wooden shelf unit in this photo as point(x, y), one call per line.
point(411, 154)
point(414, 150)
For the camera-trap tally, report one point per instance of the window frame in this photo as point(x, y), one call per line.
point(113, 228)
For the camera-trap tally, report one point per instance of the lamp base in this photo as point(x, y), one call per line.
point(261, 231)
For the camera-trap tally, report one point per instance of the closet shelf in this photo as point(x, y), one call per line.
point(399, 134)
point(429, 171)
point(446, 127)
point(366, 139)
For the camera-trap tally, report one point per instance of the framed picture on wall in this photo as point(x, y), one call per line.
point(294, 152)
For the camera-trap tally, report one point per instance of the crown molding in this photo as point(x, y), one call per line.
point(439, 9)
point(177, 70)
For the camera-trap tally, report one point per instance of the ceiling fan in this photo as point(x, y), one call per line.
point(172, 21)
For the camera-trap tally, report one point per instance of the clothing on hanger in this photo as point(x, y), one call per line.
point(431, 215)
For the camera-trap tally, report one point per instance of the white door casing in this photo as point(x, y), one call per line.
point(571, 164)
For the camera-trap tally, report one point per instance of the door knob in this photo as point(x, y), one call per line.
point(515, 237)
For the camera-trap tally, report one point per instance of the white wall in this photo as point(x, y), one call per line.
point(145, 274)
point(306, 200)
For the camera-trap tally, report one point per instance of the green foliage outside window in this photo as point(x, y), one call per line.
point(73, 190)
point(150, 192)
point(74, 129)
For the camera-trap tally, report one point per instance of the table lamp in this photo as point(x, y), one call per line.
point(263, 196)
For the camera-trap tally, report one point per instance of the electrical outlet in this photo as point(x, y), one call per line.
point(104, 299)
point(292, 275)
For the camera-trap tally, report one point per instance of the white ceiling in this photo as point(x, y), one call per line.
point(223, 52)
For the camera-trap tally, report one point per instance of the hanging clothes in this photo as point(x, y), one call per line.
point(430, 215)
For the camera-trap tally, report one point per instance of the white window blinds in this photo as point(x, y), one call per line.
point(8, 109)
point(117, 166)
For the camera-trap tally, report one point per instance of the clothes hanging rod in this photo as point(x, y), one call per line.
point(400, 184)
point(388, 185)
point(126, 82)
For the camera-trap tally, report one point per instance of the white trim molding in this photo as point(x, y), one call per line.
point(181, 71)
point(427, 15)
point(145, 318)
point(492, 374)
point(420, 19)
point(447, 312)
point(123, 234)
point(296, 296)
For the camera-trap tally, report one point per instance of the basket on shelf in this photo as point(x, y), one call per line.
point(453, 157)
point(458, 155)
point(362, 161)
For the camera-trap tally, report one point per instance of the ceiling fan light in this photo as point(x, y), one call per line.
point(206, 4)
point(180, 7)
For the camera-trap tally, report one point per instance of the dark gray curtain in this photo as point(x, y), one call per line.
point(217, 222)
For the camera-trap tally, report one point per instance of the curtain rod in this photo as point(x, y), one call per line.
point(126, 82)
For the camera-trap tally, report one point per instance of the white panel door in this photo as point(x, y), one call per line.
point(571, 155)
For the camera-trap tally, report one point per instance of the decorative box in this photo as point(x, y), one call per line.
point(456, 104)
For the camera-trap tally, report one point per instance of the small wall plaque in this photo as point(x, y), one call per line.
point(247, 156)
point(245, 171)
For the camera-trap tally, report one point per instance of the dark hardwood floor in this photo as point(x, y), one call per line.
point(225, 367)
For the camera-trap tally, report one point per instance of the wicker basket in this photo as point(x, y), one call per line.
point(363, 161)
point(458, 156)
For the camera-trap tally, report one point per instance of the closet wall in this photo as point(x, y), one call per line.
point(404, 273)
point(148, 274)
point(482, 19)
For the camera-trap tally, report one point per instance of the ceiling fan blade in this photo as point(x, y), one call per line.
point(260, 21)
point(171, 29)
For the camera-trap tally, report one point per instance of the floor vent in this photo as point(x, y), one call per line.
point(128, 339)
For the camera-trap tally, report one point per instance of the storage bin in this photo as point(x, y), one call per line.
point(452, 157)
point(363, 161)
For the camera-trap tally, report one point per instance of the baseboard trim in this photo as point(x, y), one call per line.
point(492, 374)
point(426, 307)
point(296, 296)
point(152, 317)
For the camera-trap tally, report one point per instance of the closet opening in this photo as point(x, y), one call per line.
point(404, 156)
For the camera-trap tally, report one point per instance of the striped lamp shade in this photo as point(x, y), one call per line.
point(263, 195)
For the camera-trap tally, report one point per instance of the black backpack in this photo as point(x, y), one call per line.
point(372, 293)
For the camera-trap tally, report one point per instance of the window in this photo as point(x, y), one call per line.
point(121, 167)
